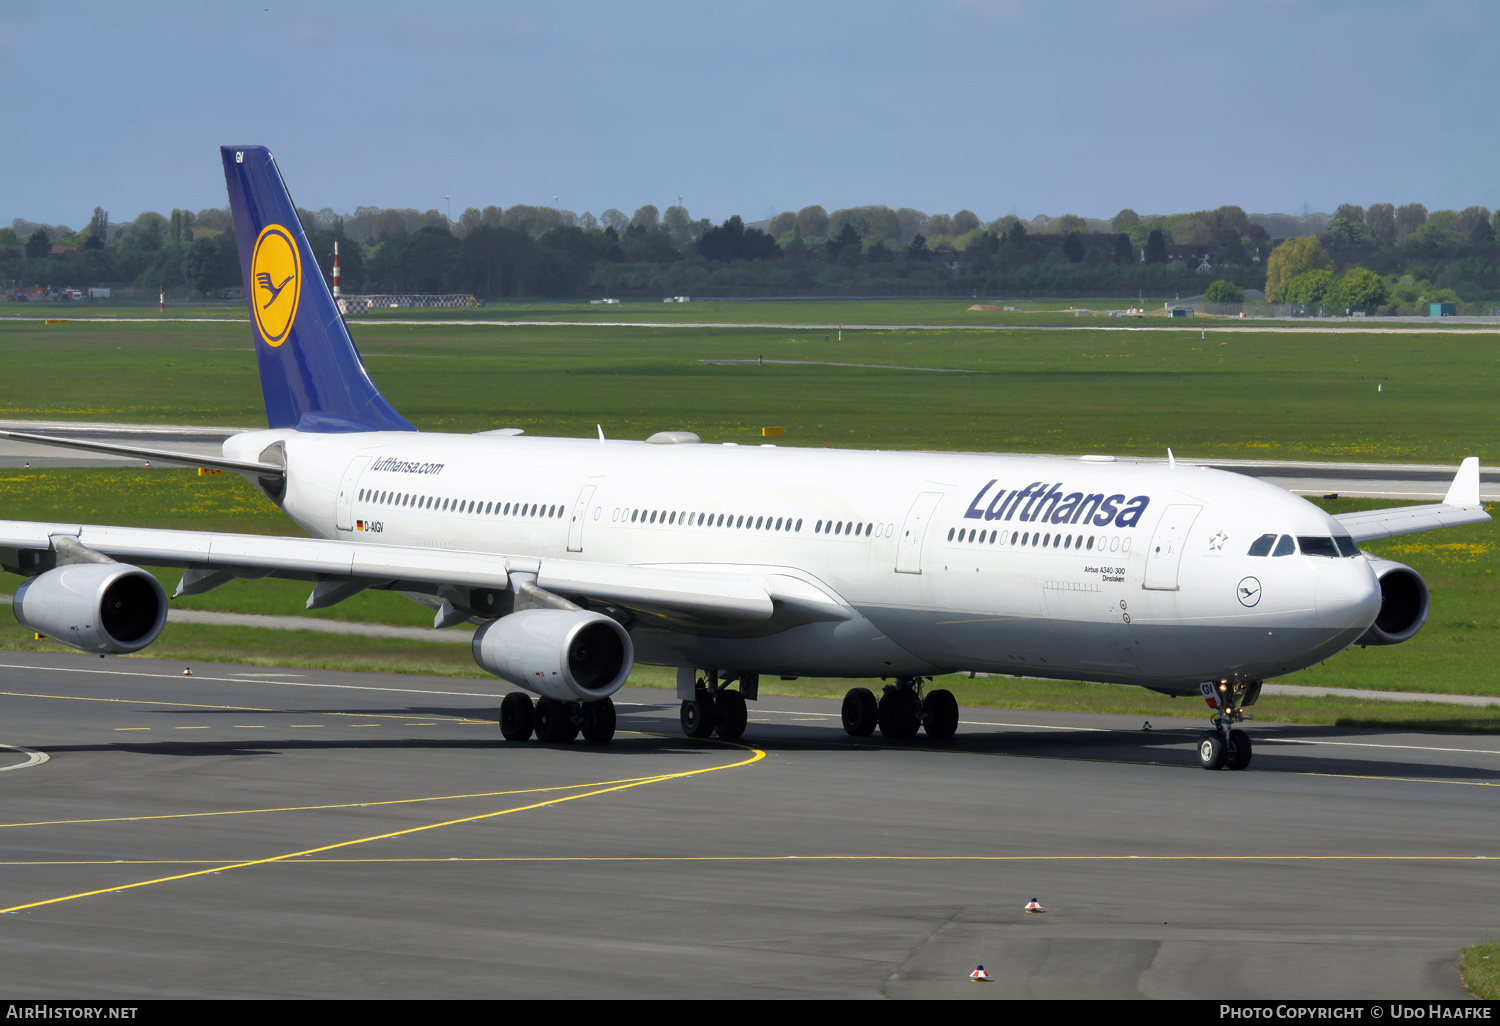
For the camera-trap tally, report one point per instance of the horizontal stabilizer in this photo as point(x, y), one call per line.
point(186, 459)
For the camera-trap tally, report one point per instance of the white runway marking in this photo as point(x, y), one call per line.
point(34, 758)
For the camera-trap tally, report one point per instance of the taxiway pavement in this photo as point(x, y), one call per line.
point(249, 832)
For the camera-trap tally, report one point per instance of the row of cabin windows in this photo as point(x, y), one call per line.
point(673, 518)
point(686, 519)
point(1331, 548)
point(432, 502)
point(1040, 539)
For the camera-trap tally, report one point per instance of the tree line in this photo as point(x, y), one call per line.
point(524, 252)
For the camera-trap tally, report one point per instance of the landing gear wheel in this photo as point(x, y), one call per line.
point(1212, 751)
point(554, 722)
point(860, 712)
point(599, 721)
point(1239, 750)
point(698, 715)
point(730, 714)
point(940, 715)
point(899, 715)
point(516, 717)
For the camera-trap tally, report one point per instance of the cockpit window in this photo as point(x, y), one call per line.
point(1262, 545)
point(1314, 546)
point(1346, 544)
point(1285, 547)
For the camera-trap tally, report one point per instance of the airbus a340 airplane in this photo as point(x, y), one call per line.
point(580, 556)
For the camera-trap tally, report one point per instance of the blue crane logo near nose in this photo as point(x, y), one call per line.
point(1248, 591)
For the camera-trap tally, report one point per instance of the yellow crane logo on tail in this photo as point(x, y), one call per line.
point(276, 271)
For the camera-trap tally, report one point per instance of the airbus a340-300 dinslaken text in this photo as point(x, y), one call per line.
point(578, 557)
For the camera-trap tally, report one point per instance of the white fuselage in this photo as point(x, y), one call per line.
point(1070, 568)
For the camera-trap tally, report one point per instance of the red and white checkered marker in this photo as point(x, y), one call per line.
point(979, 975)
point(187, 671)
point(1034, 906)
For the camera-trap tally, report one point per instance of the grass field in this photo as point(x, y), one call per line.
point(1250, 395)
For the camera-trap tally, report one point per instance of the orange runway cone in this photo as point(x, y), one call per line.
point(979, 975)
point(187, 671)
point(1034, 906)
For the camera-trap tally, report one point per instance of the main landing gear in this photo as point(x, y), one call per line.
point(556, 722)
point(901, 711)
point(1226, 746)
point(715, 709)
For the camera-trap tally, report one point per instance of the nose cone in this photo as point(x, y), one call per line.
point(1347, 595)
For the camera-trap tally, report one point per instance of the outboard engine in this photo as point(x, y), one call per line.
point(570, 655)
point(1404, 603)
point(97, 607)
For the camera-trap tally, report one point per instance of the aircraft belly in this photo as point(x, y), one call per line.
point(849, 648)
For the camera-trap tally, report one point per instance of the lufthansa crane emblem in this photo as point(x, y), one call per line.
point(1248, 591)
point(276, 280)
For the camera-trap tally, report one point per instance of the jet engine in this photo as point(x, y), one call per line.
point(570, 655)
point(1404, 603)
point(97, 607)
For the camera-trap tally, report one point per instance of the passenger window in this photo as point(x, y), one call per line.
point(1285, 547)
point(799, 525)
point(1262, 545)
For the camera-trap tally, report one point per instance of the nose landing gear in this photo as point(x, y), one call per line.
point(1226, 746)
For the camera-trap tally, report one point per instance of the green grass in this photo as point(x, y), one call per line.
point(1480, 969)
point(1253, 394)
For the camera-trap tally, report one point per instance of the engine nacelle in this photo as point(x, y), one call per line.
point(1404, 603)
point(98, 607)
point(570, 655)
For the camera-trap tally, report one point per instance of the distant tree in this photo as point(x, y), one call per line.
point(645, 217)
point(470, 219)
point(1124, 251)
point(1471, 218)
point(938, 225)
point(879, 252)
point(39, 245)
point(588, 222)
point(1312, 286)
point(1290, 259)
point(1350, 212)
point(847, 237)
point(965, 221)
point(1230, 222)
point(1223, 291)
point(784, 222)
point(1124, 220)
point(679, 225)
point(97, 232)
point(1348, 232)
point(1232, 251)
point(1409, 219)
point(909, 223)
point(733, 241)
point(211, 220)
point(1156, 247)
point(917, 250)
point(1380, 219)
point(146, 231)
point(1070, 223)
point(840, 219)
point(1483, 233)
point(212, 263)
point(615, 219)
point(1072, 247)
point(813, 222)
point(1359, 289)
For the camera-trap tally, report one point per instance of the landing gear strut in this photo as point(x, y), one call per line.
point(1226, 746)
point(901, 711)
point(556, 722)
point(714, 708)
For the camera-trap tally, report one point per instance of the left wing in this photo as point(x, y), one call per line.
point(1460, 506)
point(723, 596)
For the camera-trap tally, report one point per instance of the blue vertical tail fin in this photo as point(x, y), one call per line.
point(310, 371)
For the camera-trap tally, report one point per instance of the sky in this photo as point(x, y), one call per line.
point(997, 106)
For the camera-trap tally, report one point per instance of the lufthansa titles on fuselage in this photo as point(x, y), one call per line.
point(1046, 503)
point(394, 466)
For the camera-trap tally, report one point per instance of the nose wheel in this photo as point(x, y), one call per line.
point(1226, 746)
